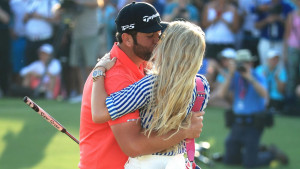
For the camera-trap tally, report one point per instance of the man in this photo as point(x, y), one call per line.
point(43, 75)
point(249, 96)
point(108, 145)
point(84, 45)
point(39, 19)
point(271, 24)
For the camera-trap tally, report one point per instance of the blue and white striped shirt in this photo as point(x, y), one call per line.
point(138, 95)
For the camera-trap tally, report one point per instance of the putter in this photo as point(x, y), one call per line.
point(49, 118)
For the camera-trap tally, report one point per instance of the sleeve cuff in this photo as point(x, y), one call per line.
point(111, 109)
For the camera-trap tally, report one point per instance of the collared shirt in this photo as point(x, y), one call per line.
point(98, 146)
point(138, 96)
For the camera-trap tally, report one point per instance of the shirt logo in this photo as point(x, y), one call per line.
point(148, 18)
point(131, 26)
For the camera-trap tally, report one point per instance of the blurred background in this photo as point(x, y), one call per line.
point(48, 48)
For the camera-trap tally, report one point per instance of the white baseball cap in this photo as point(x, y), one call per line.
point(273, 53)
point(228, 53)
point(47, 48)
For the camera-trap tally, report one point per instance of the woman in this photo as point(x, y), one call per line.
point(221, 21)
point(164, 97)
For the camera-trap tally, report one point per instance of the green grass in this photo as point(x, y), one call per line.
point(29, 142)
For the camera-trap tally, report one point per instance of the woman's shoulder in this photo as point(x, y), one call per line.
point(202, 77)
point(204, 81)
point(149, 78)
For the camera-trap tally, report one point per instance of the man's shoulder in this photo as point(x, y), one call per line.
point(118, 78)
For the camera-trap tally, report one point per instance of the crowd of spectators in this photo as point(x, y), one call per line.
point(80, 31)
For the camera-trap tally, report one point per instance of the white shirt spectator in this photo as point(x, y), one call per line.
point(40, 29)
point(38, 67)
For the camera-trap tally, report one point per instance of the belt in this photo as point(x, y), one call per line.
point(244, 119)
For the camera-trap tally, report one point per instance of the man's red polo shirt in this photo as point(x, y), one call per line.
point(98, 146)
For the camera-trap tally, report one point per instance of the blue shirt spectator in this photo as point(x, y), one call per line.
point(275, 30)
point(271, 81)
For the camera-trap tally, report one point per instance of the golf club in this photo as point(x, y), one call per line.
point(47, 117)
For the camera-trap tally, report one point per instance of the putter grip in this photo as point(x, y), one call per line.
point(44, 114)
point(190, 143)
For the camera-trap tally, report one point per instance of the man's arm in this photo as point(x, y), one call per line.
point(4, 16)
point(134, 143)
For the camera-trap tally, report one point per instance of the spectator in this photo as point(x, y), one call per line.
point(249, 33)
point(106, 19)
point(5, 68)
point(84, 46)
point(292, 52)
point(225, 57)
point(249, 97)
point(221, 22)
point(182, 9)
point(18, 8)
point(270, 22)
point(39, 19)
point(276, 77)
point(43, 75)
point(200, 7)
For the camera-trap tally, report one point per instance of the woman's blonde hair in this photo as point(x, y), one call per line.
point(176, 61)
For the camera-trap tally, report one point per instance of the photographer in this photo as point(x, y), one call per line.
point(270, 21)
point(249, 97)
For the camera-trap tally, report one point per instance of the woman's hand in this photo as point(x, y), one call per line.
point(106, 62)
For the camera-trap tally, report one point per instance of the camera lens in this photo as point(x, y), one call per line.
point(241, 67)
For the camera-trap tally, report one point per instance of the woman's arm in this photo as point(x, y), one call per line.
point(134, 96)
point(99, 110)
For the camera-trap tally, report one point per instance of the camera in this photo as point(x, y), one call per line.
point(240, 67)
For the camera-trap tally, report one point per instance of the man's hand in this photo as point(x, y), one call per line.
point(195, 128)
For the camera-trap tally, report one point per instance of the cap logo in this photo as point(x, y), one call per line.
point(131, 26)
point(148, 18)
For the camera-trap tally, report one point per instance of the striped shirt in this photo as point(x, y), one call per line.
point(138, 95)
